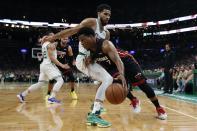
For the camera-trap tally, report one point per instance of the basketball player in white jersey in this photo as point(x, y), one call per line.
point(94, 70)
point(48, 71)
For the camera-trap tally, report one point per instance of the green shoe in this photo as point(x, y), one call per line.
point(94, 120)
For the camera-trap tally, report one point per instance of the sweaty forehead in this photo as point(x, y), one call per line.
point(106, 11)
point(64, 39)
point(51, 34)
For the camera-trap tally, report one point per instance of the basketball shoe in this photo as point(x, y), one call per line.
point(161, 113)
point(21, 98)
point(53, 100)
point(73, 95)
point(135, 103)
point(94, 120)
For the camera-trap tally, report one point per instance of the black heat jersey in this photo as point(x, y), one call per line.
point(99, 57)
point(133, 72)
point(63, 58)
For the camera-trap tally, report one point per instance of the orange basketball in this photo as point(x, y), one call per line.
point(115, 93)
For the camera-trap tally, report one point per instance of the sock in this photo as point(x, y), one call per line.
point(57, 86)
point(26, 92)
point(96, 107)
point(53, 94)
point(130, 96)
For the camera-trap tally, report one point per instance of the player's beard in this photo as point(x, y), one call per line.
point(104, 23)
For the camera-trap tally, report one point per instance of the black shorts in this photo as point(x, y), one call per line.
point(67, 73)
point(133, 72)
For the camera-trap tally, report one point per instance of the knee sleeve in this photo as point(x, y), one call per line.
point(58, 84)
point(147, 90)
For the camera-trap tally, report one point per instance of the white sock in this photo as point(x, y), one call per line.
point(53, 94)
point(97, 106)
point(57, 86)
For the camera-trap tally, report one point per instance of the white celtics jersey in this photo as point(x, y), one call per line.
point(99, 34)
point(46, 59)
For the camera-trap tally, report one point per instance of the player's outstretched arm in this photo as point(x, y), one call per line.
point(89, 22)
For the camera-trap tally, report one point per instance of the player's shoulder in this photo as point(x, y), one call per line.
point(90, 19)
point(89, 22)
point(51, 46)
point(106, 43)
point(45, 43)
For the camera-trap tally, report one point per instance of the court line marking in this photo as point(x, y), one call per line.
point(177, 111)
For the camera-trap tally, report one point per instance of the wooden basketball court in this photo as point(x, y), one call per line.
point(36, 115)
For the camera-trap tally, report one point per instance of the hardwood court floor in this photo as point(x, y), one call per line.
point(36, 115)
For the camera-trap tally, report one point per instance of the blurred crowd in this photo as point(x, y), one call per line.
point(182, 76)
point(31, 75)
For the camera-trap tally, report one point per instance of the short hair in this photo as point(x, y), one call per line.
point(168, 44)
point(86, 31)
point(101, 7)
point(46, 33)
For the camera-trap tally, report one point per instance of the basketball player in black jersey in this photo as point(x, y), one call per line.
point(65, 56)
point(103, 52)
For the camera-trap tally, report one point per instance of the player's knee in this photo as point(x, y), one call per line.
point(108, 80)
point(60, 80)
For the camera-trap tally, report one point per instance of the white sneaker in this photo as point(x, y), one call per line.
point(135, 103)
point(161, 113)
point(21, 98)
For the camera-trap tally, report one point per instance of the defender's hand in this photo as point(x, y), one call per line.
point(88, 61)
point(65, 66)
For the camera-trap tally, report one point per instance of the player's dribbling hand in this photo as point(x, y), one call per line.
point(122, 78)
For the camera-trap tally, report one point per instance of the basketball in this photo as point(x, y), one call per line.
point(115, 93)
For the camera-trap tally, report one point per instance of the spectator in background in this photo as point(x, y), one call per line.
point(189, 80)
point(181, 80)
point(168, 68)
point(175, 77)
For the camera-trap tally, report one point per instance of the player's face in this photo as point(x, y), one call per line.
point(167, 47)
point(105, 16)
point(87, 41)
point(64, 41)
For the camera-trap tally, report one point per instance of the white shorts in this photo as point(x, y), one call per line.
point(48, 72)
point(94, 70)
